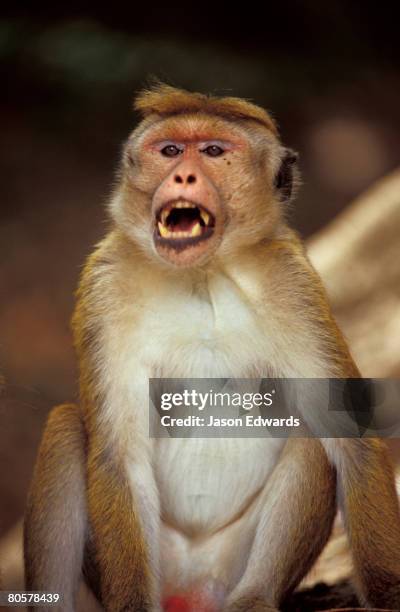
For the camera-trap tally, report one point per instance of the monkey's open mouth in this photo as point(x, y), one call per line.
point(181, 223)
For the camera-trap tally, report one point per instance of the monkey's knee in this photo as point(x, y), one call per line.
point(59, 471)
point(60, 462)
point(61, 453)
point(64, 430)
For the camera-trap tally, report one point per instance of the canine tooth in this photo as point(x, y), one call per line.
point(163, 230)
point(205, 216)
point(196, 230)
point(164, 215)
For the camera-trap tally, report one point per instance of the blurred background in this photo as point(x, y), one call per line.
point(328, 72)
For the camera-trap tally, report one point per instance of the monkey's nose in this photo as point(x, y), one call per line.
point(182, 178)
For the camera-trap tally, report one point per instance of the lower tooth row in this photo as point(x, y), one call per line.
point(165, 233)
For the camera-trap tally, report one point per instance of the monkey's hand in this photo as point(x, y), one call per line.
point(249, 604)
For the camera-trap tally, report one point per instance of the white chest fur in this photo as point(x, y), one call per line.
point(206, 331)
point(186, 330)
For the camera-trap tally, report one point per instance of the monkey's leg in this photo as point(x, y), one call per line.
point(124, 515)
point(56, 515)
point(367, 494)
point(294, 525)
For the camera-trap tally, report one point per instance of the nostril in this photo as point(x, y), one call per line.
point(178, 179)
point(191, 178)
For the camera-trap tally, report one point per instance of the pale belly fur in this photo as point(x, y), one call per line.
point(211, 497)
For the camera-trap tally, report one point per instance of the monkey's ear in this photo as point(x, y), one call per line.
point(287, 175)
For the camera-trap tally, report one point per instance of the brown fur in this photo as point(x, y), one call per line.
point(55, 525)
point(165, 100)
point(368, 494)
point(117, 536)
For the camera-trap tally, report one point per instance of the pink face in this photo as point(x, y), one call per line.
point(188, 162)
point(203, 177)
point(186, 206)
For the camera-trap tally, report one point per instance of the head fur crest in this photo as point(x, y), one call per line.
point(165, 100)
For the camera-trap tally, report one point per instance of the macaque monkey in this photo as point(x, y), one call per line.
point(200, 276)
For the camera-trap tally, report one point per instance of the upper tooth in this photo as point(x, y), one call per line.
point(184, 205)
point(196, 230)
point(205, 216)
point(164, 215)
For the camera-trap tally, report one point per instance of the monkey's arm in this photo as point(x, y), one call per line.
point(123, 503)
point(296, 523)
point(124, 525)
point(56, 515)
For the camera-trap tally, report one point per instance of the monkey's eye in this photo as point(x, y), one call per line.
point(171, 150)
point(213, 150)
